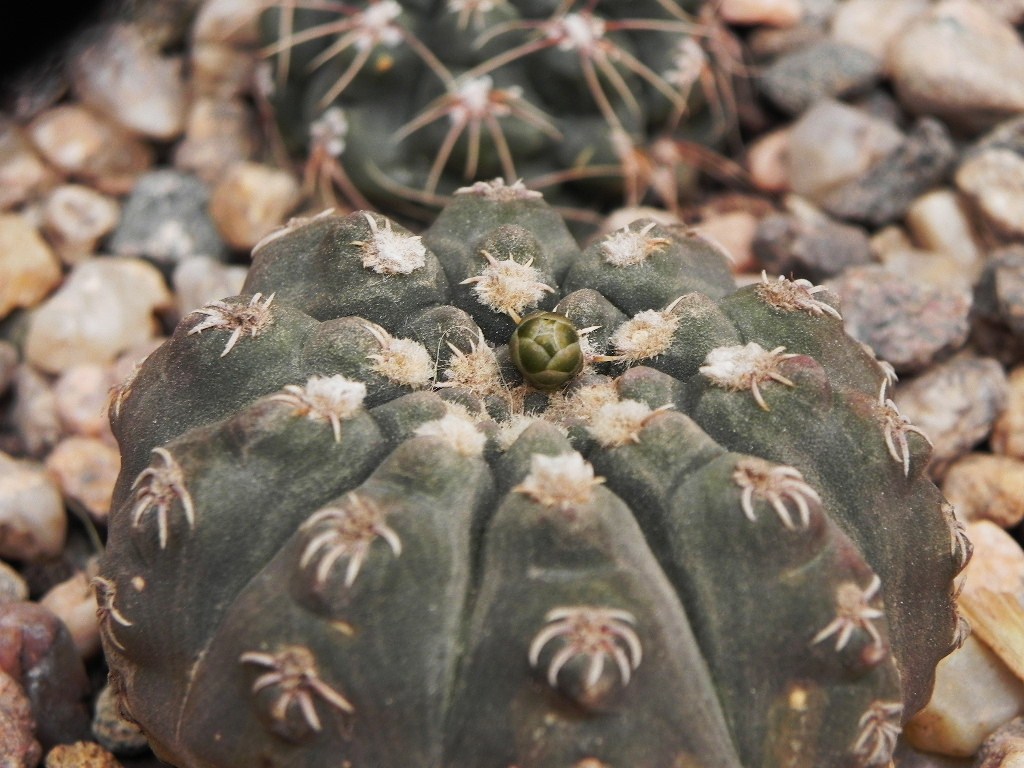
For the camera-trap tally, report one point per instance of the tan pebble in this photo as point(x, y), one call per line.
point(994, 182)
point(734, 231)
point(221, 70)
point(82, 393)
point(34, 411)
point(29, 268)
point(998, 561)
point(250, 201)
point(32, 519)
point(75, 218)
point(228, 21)
point(872, 25)
point(74, 603)
point(13, 588)
point(939, 222)
point(218, 134)
point(23, 174)
point(89, 148)
point(104, 307)
point(767, 161)
point(1004, 748)
point(940, 270)
point(772, 13)
point(986, 486)
point(200, 280)
point(86, 469)
point(1008, 431)
point(18, 746)
point(120, 75)
point(82, 754)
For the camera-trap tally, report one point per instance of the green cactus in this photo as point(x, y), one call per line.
point(397, 101)
point(348, 532)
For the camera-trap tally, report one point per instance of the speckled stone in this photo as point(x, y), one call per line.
point(1004, 747)
point(985, 486)
point(909, 324)
point(1008, 430)
point(166, 219)
point(34, 411)
point(812, 247)
point(75, 218)
point(113, 731)
point(956, 404)
point(993, 180)
point(32, 520)
point(18, 746)
point(81, 754)
point(825, 69)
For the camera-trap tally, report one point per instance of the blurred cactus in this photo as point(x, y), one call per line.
point(348, 532)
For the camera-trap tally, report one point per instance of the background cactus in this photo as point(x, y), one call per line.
point(409, 100)
point(346, 532)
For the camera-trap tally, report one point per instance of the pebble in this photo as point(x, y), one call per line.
point(73, 602)
point(872, 25)
point(33, 524)
point(773, 13)
point(939, 270)
point(956, 403)
point(939, 222)
point(1010, 10)
point(986, 486)
point(1004, 748)
point(218, 134)
point(999, 296)
point(104, 307)
point(13, 588)
point(36, 649)
point(812, 247)
point(82, 393)
point(18, 745)
point(734, 231)
point(886, 190)
point(251, 200)
point(34, 411)
point(822, 70)
point(86, 147)
point(908, 323)
point(220, 70)
point(993, 180)
point(81, 754)
point(834, 143)
point(29, 268)
point(1008, 430)
point(228, 21)
point(23, 174)
point(119, 74)
point(8, 364)
point(768, 161)
point(114, 732)
point(166, 219)
point(975, 82)
point(86, 469)
point(200, 280)
point(75, 218)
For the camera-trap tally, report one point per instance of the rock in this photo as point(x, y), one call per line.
point(86, 469)
point(993, 180)
point(885, 191)
point(36, 649)
point(34, 411)
point(999, 294)
point(8, 364)
point(823, 70)
point(29, 268)
point(13, 588)
point(221, 71)
point(986, 486)
point(165, 219)
point(117, 73)
point(974, 694)
point(938, 221)
point(218, 134)
point(82, 393)
point(86, 147)
point(76, 218)
point(113, 731)
point(768, 161)
point(872, 25)
point(32, 520)
point(938, 270)
point(832, 144)
point(23, 174)
point(998, 561)
point(81, 754)
point(908, 324)
point(975, 82)
point(1008, 430)
point(73, 602)
point(104, 307)
point(734, 231)
point(201, 280)
point(228, 21)
point(773, 13)
point(955, 403)
point(1009, 10)
point(812, 247)
point(18, 744)
point(1004, 748)
point(250, 200)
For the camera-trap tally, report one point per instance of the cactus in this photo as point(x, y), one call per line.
point(405, 101)
point(349, 531)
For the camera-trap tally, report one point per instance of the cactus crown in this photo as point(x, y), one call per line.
point(637, 517)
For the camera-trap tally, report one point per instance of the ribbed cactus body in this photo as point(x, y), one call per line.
point(348, 532)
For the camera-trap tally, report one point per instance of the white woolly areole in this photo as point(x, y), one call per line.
point(619, 423)
point(403, 361)
point(577, 32)
point(498, 191)
point(325, 398)
point(329, 131)
point(647, 334)
point(745, 367)
point(626, 248)
point(583, 404)
point(376, 27)
point(508, 286)
point(688, 63)
point(563, 482)
point(476, 370)
point(391, 253)
point(459, 433)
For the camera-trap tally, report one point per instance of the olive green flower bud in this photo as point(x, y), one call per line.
point(545, 347)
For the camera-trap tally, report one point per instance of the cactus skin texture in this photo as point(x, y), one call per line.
point(347, 533)
point(406, 101)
